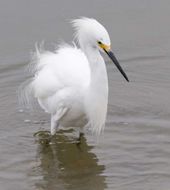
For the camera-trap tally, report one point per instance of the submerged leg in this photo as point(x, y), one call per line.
point(54, 125)
point(55, 118)
point(81, 134)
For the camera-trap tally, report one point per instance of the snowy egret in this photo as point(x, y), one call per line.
point(71, 83)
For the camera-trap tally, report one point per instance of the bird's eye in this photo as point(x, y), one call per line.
point(99, 42)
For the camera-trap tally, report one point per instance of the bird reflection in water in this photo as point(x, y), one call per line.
point(64, 164)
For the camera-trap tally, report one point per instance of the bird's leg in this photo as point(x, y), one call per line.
point(81, 134)
point(54, 125)
point(80, 140)
point(56, 118)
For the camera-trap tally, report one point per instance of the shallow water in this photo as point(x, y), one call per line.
point(134, 151)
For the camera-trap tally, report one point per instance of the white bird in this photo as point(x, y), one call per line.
point(71, 83)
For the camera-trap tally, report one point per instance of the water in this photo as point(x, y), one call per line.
point(134, 151)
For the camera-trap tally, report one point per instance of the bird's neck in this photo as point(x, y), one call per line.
point(93, 57)
point(97, 68)
point(97, 94)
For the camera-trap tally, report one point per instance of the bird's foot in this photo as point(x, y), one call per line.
point(79, 140)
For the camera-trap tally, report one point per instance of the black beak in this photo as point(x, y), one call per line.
point(115, 61)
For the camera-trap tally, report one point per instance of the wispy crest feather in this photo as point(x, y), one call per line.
point(81, 24)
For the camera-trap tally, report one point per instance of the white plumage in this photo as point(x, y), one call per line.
point(71, 83)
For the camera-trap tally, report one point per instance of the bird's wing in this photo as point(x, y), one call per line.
point(67, 67)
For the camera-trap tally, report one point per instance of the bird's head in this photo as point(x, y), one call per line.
point(89, 32)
